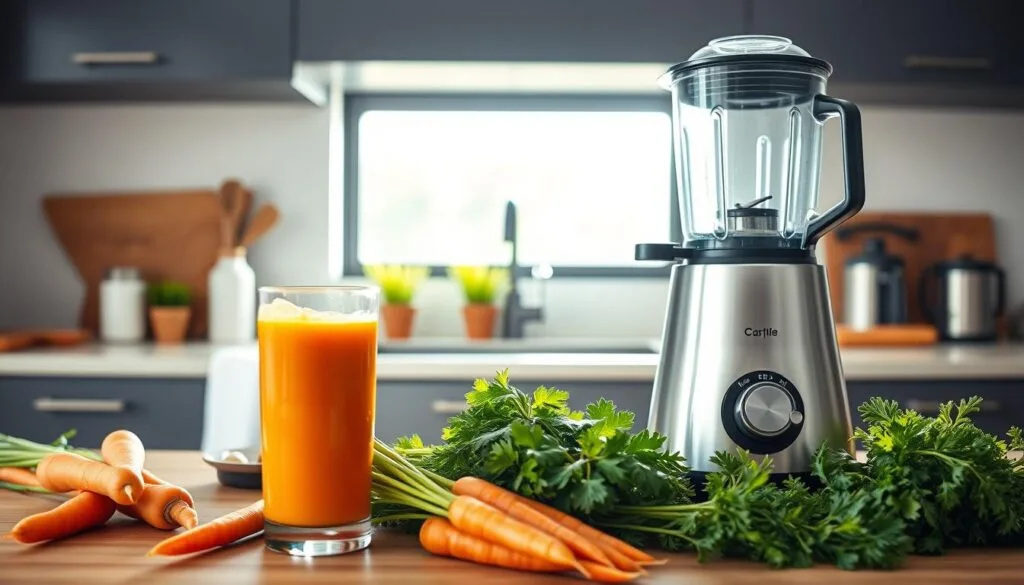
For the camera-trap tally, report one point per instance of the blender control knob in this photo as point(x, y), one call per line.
point(765, 410)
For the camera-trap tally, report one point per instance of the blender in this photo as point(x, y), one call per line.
point(749, 356)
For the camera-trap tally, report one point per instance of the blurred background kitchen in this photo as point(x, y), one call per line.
point(157, 153)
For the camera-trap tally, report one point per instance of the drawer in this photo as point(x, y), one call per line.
point(165, 413)
point(1002, 406)
point(423, 408)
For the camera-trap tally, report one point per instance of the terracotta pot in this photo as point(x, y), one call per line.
point(480, 318)
point(398, 320)
point(170, 324)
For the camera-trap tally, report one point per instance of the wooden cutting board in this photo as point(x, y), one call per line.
point(941, 236)
point(887, 336)
point(165, 234)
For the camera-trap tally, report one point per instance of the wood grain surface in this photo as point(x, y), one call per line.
point(114, 554)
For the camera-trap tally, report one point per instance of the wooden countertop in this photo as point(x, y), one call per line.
point(115, 554)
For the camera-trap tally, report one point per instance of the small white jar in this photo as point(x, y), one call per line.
point(122, 306)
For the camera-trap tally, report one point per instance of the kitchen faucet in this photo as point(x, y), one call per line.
point(515, 315)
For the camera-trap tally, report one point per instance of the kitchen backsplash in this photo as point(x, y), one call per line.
point(916, 159)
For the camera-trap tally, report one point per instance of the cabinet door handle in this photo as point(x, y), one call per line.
point(935, 62)
point(931, 407)
point(449, 406)
point(78, 405)
point(115, 58)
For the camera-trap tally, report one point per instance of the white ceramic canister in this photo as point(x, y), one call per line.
point(122, 306)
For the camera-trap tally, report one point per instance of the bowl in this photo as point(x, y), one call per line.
point(237, 468)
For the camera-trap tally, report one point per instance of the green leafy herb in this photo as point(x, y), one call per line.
point(928, 483)
point(582, 462)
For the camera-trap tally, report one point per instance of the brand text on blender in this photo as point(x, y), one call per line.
point(763, 332)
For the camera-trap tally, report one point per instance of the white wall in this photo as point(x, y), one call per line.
point(916, 160)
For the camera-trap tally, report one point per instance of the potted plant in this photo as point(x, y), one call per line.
point(480, 286)
point(169, 311)
point(398, 285)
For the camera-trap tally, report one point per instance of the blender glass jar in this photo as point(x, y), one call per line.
point(748, 113)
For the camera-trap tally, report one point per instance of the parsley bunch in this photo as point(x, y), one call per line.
point(581, 462)
point(949, 480)
point(928, 483)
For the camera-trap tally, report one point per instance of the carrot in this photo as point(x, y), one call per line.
point(64, 472)
point(150, 479)
point(514, 505)
point(605, 574)
point(219, 532)
point(124, 449)
point(621, 561)
point(162, 506)
point(19, 476)
point(81, 512)
point(482, 520)
point(439, 537)
point(606, 541)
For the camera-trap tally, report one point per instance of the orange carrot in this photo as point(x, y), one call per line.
point(470, 515)
point(166, 507)
point(605, 540)
point(81, 512)
point(606, 574)
point(124, 449)
point(220, 532)
point(19, 476)
point(439, 537)
point(621, 561)
point(514, 505)
point(150, 479)
point(64, 472)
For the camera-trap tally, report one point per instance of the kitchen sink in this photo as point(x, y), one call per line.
point(517, 346)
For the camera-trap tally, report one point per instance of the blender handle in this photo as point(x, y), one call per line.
point(853, 160)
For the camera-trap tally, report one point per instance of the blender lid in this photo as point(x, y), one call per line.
point(753, 49)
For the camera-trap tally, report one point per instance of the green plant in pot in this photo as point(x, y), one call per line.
point(480, 288)
point(169, 310)
point(398, 284)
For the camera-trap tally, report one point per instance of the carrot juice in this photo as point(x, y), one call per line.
point(317, 400)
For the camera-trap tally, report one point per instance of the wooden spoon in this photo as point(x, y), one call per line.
point(245, 207)
point(262, 222)
point(231, 196)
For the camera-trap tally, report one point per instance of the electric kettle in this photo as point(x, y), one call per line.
point(970, 296)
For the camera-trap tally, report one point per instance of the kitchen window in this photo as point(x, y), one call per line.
point(428, 179)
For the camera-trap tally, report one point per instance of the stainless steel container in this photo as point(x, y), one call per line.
point(964, 298)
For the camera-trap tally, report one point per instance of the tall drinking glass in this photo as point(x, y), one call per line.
point(318, 382)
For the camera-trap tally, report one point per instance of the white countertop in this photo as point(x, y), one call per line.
point(191, 361)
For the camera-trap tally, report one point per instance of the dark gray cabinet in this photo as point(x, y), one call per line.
point(526, 30)
point(423, 408)
point(878, 42)
point(165, 413)
point(150, 48)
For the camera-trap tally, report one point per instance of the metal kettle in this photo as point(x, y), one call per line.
point(970, 296)
point(875, 284)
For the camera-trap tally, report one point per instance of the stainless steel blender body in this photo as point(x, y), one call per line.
point(752, 345)
point(749, 354)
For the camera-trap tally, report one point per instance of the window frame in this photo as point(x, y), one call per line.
point(355, 105)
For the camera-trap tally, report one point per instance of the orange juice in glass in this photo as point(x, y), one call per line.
point(318, 382)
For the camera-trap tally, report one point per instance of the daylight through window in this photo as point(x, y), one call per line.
point(432, 185)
